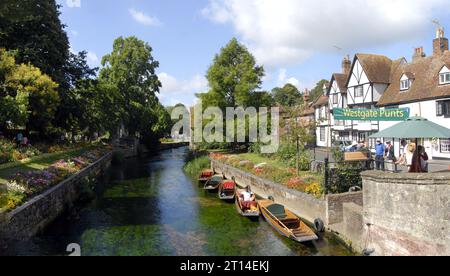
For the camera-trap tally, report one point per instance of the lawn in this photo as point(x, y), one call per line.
point(38, 163)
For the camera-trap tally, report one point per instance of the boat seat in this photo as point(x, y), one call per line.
point(291, 223)
point(278, 211)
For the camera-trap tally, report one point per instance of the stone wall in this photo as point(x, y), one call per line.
point(409, 213)
point(335, 205)
point(35, 215)
point(303, 205)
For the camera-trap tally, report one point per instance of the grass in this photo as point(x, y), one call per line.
point(38, 163)
point(195, 166)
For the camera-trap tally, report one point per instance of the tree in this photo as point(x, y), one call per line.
point(27, 97)
point(233, 77)
point(317, 92)
point(131, 68)
point(33, 28)
point(288, 95)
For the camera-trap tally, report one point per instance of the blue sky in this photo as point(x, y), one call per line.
point(297, 41)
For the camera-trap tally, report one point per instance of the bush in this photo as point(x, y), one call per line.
point(118, 158)
point(195, 166)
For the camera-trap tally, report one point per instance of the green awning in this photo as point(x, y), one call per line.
point(415, 127)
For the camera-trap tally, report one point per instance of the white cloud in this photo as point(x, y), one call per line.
point(73, 3)
point(284, 32)
point(92, 58)
point(283, 79)
point(174, 91)
point(144, 19)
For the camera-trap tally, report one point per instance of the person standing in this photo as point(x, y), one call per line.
point(379, 155)
point(390, 153)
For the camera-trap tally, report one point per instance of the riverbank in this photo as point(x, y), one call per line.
point(150, 207)
point(41, 210)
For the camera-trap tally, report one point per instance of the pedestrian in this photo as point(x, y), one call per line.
point(419, 161)
point(390, 152)
point(379, 155)
point(19, 139)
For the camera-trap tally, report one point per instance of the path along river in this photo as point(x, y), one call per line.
point(151, 207)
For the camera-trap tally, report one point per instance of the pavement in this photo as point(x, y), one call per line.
point(434, 165)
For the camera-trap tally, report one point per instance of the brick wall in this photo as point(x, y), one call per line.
point(335, 205)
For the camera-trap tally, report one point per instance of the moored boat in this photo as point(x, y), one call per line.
point(227, 190)
point(285, 222)
point(205, 176)
point(246, 203)
point(213, 183)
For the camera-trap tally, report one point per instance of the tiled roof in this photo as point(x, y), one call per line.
point(341, 80)
point(323, 100)
point(376, 67)
point(425, 72)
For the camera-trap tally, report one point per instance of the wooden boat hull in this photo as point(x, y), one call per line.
point(252, 214)
point(301, 234)
point(213, 184)
point(205, 176)
point(226, 195)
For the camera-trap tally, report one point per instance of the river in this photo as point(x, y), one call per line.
point(150, 207)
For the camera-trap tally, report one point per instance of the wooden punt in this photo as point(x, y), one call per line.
point(285, 222)
point(213, 183)
point(205, 176)
point(245, 212)
point(227, 190)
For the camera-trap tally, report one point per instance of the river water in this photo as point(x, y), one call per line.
point(150, 207)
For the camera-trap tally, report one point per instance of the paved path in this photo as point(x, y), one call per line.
point(434, 165)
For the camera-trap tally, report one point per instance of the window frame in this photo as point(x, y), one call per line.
point(444, 78)
point(442, 146)
point(322, 134)
point(404, 87)
point(359, 88)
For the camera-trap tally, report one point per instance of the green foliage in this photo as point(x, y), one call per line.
point(33, 28)
point(288, 95)
point(131, 68)
point(10, 200)
point(232, 77)
point(318, 90)
point(195, 166)
point(27, 97)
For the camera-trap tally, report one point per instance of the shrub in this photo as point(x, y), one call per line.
point(195, 166)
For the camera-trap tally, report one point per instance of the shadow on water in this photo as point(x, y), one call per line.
point(151, 207)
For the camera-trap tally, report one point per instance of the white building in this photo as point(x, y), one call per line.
point(374, 81)
point(323, 121)
point(423, 85)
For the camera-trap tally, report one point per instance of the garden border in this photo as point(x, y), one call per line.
point(36, 214)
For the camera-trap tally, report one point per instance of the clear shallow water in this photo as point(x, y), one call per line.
point(150, 207)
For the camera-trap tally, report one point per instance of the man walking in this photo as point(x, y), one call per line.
point(380, 150)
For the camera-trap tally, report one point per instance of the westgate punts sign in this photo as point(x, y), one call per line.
point(397, 114)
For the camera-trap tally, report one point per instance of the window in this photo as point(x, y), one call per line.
point(405, 84)
point(443, 108)
point(335, 99)
point(322, 134)
point(359, 91)
point(444, 78)
point(445, 145)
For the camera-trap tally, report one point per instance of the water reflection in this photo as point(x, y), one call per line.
point(150, 207)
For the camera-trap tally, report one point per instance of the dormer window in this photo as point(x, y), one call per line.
point(405, 85)
point(444, 76)
point(406, 81)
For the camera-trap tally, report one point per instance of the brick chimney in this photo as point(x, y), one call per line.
point(418, 54)
point(306, 96)
point(440, 44)
point(346, 65)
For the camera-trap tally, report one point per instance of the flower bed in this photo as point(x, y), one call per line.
point(31, 183)
point(306, 182)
